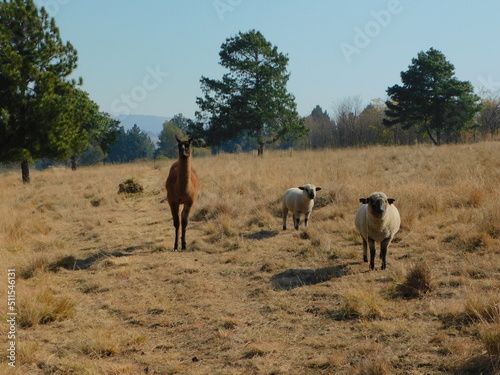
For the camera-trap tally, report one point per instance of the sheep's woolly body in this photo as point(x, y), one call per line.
point(377, 220)
point(375, 228)
point(299, 201)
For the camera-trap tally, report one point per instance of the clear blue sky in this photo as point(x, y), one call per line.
point(147, 57)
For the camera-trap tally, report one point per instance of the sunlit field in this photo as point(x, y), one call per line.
point(99, 291)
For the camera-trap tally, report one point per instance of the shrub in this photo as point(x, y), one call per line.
point(417, 282)
point(130, 186)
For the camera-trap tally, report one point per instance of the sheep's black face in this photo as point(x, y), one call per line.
point(310, 190)
point(310, 193)
point(377, 205)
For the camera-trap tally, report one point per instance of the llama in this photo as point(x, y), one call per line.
point(182, 189)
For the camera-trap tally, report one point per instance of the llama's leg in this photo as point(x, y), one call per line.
point(185, 220)
point(285, 214)
point(174, 207)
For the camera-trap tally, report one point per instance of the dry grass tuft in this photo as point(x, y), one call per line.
point(481, 307)
point(257, 350)
point(416, 283)
point(100, 343)
point(378, 365)
point(358, 304)
point(44, 307)
point(489, 333)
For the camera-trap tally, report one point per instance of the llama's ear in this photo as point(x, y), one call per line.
point(178, 140)
point(190, 139)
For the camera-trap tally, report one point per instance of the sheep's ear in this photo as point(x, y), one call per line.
point(391, 200)
point(363, 200)
point(318, 189)
point(301, 187)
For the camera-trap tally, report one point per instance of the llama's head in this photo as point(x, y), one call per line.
point(184, 147)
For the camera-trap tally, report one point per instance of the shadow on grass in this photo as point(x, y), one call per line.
point(73, 264)
point(262, 235)
point(295, 278)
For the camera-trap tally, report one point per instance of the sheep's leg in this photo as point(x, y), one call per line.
point(306, 219)
point(296, 220)
point(383, 251)
point(365, 251)
point(174, 208)
point(372, 253)
point(285, 214)
point(185, 220)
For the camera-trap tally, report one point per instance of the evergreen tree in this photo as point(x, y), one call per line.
point(181, 122)
point(102, 136)
point(431, 98)
point(35, 92)
point(252, 98)
point(131, 145)
point(167, 144)
point(319, 115)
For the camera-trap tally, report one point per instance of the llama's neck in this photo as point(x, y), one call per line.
point(184, 177)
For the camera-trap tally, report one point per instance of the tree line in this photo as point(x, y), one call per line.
point(351, 125)
point(44, 114)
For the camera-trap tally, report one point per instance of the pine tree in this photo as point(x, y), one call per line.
point(35, 92)
point(167, 144)
point(252, 98)
point(431, 98)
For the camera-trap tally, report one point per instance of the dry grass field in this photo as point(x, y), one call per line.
point(100, 292)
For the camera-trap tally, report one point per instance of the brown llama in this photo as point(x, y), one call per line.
point(182, 189)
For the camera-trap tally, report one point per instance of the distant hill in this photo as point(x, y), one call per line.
point(152, 125)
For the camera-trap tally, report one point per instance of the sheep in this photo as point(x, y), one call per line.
point(182, 189)
point(377, 220)
point(300, 201)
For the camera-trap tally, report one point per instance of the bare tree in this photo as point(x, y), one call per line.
point(489, 117)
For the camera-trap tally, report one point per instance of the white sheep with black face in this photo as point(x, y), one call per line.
point(300, 201)
point(377, 220)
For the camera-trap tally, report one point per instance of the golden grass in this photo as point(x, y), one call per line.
point(100, 292)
